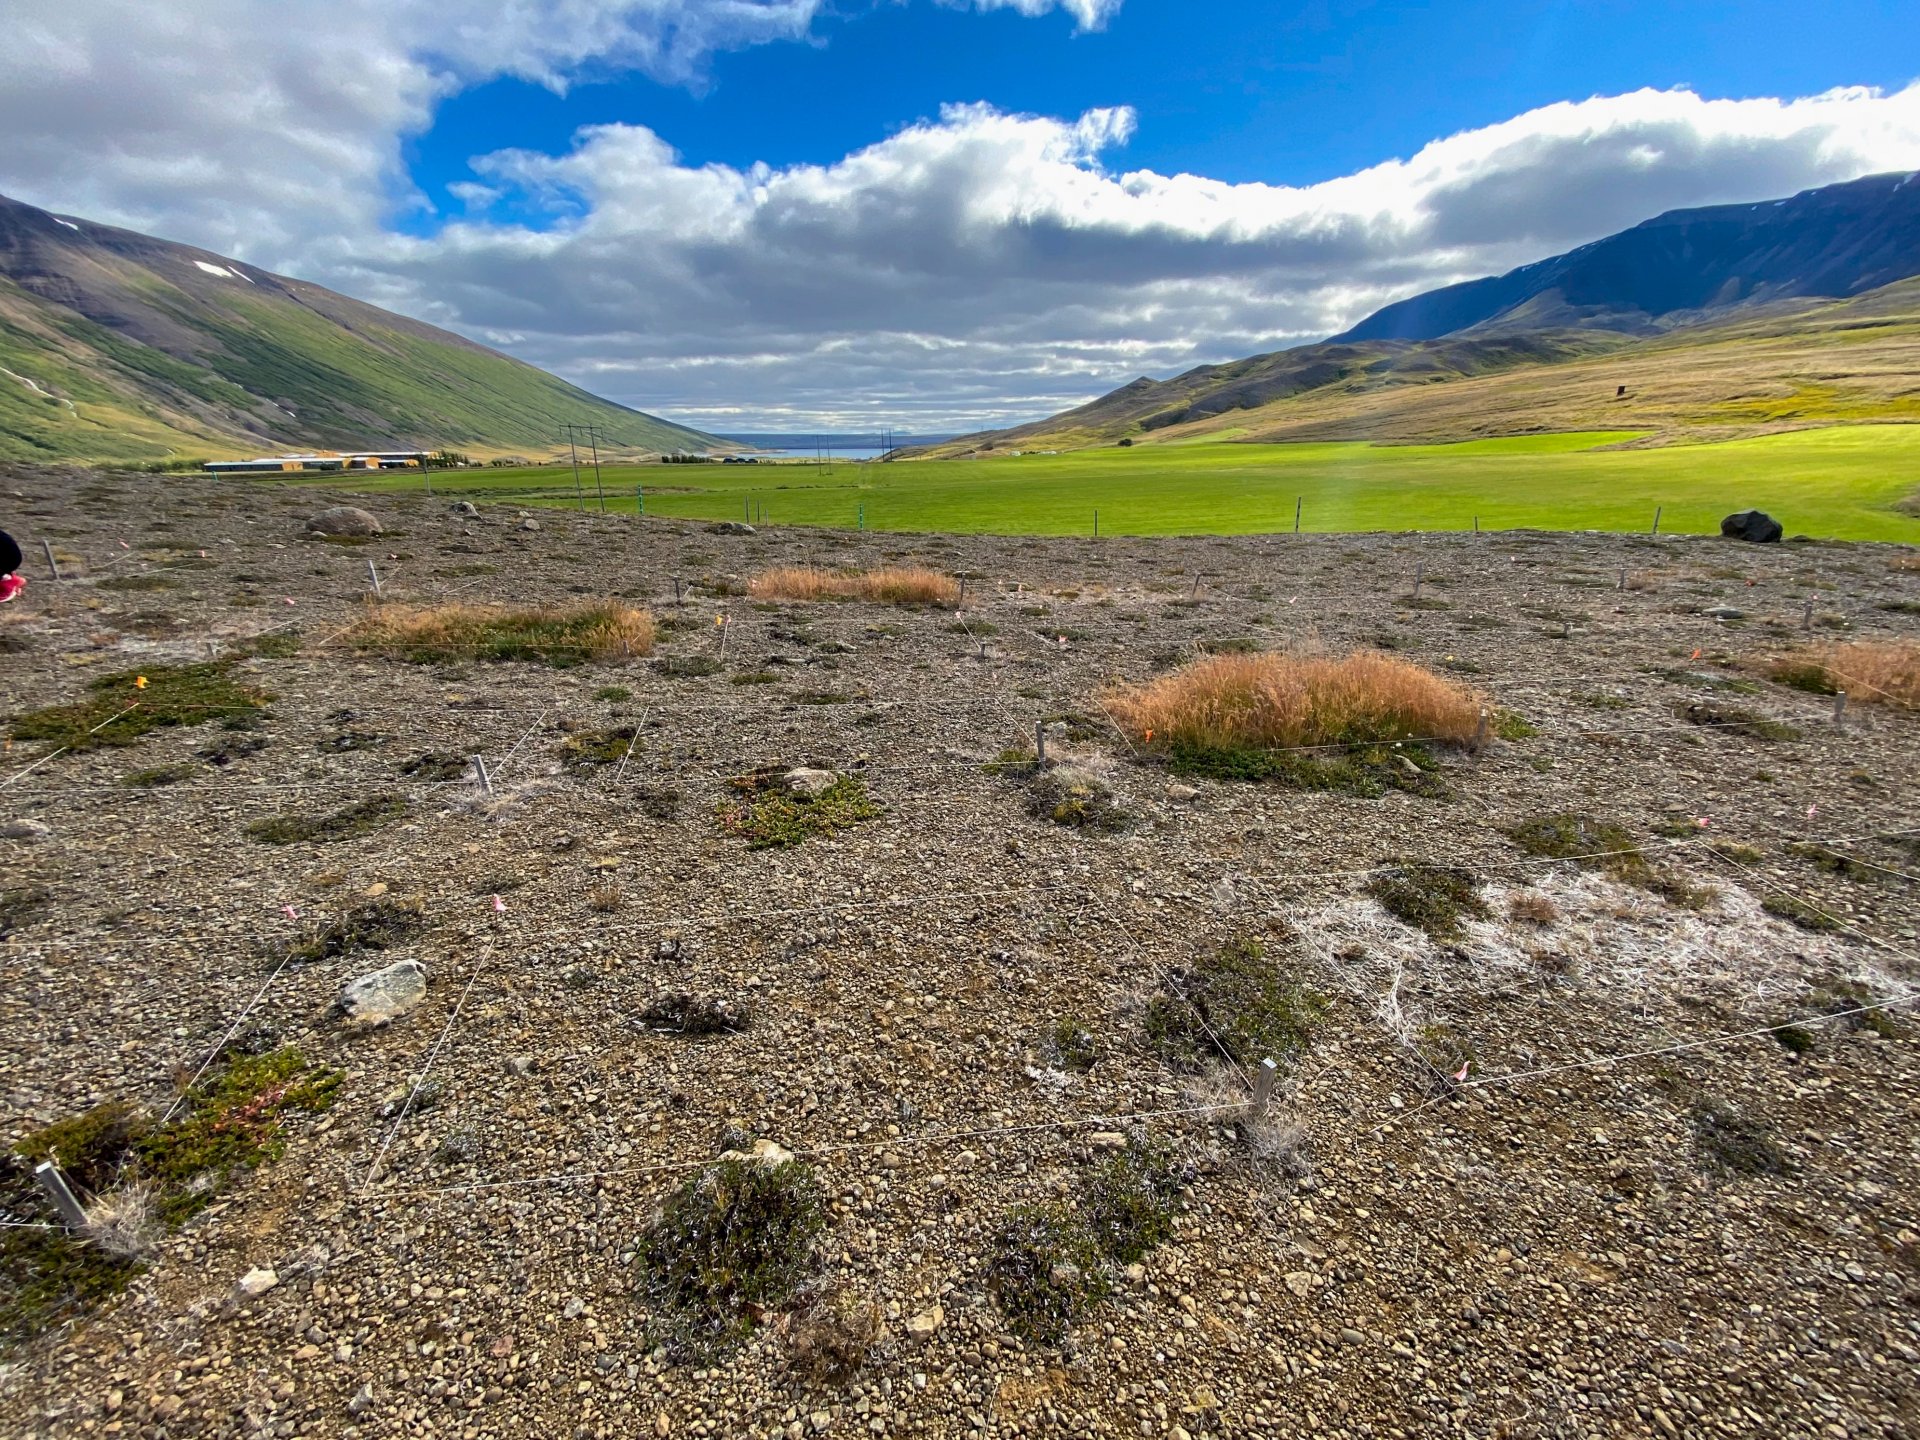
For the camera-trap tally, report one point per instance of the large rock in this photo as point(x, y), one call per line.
point(1754, 525)
point(384, 995)
point(809, 782)
point(463, 507)
point(343, 520)
point(731, 527)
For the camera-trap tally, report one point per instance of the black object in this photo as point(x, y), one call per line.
point(9, 554)
point(1755, 525)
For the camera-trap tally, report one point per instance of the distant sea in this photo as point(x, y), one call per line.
point(852, 446)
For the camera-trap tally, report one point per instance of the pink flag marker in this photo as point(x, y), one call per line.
point(499, 905)
point(290, 912)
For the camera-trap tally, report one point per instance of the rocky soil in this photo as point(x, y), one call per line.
point(1552, 1247)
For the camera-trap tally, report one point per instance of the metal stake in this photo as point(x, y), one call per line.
point(1839, 706)
point(1656, 519)
point(486, 780)
point(55, 1184)
point(374, 575)
point(1480, 732)
point(1298, 501)
point(1040, 742)
point(51, 566)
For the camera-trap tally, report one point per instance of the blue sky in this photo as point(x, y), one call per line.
point(925, 214)
point(1237, 90)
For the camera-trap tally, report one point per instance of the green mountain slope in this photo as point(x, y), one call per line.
point(115, 345)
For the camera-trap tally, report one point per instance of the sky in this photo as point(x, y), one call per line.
point(932, 215)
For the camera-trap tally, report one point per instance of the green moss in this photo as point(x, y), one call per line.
point(1074, 1046)
point(1076, 799)
point(731, 1244)
point(1738, 721)
point(1510, 725)
point(1128, 1201)
point(47, 1276)
point(1857, 1004)
point(775, 819)
point(1833, 862)
point(159, 775)
point(91, 1148)
point(1044, 1271)
point(1433, 898)
point(688, 667)
point(1798, 912)
point(613, 693)
point(1596, 844)
point(587, 750)
point(437, 766)
point(172, 695)
point(360, 818)
point(1796, 1039)
point(1233, 1004)
point(232, 1121)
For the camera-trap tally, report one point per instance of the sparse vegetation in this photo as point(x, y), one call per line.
point(1796, 911)
point(362, 817)
point(1234, 1004)
point(1737, 720)
point(1129, 1199)
point(730, 1245)
point(772, 817)
point(1596, 844)
point(376, 925)
point(1074, 1045)
point(909, 585)
point(685, 1014)
point(1433, 898)
point(1076, 797)
point(1872, 672)
point(585, 751)
point(557, 635)
point(1044, 1270)
point(1731, 1142)
point(119, 709)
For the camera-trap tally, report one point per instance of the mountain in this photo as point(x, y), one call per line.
point(1685, 265)
point(116, 345)
point(1698, 324)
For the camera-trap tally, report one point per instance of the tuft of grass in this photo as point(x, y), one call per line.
point(1530, 907)
point(360, 818)
point(613, 693)
point(1733, 1143)
point(1233, 1004)
point(688, 667)
point(377, 925)
point(772, 818)
point(164, 696)
point(1044, 1271)
point(828, 1344)
point(558, 635)
point(1433, 898)
point(731, 1244)
point(1872, 672)
point(1737, 720)
point(909, 585)
point(1366, 773)
point(1833, 862)
point(1796, 911)
point(1074, 1045)
point(1270, 701)
point(686, 1014)
point(159, 775)
point(1856, 1003)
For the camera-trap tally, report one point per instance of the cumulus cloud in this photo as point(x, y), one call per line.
point(974, 267)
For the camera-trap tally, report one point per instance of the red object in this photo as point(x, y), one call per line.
point(10, 586)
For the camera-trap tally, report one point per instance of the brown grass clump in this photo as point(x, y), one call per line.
point(1270, 700)
point(559, 635)
point(1905, 564)
point(1885, 672)
point(890, 585)
point(1532, 908)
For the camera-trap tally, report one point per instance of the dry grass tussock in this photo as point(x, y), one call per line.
point(1874, 672)
point(1271, 700)
point(557, 634)
point(890, 585)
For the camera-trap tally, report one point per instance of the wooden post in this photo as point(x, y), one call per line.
point(1806, 618)
point(1480, 732)
point(676, 591)
point(1476, 524)
point(52, 567)
point(55, 1184)
point(962, 598)
point(1096, 523)
point(1623, 578)
point(1040, 742)
point(1839, 707)
point(486, 780)
point(1263, 1079)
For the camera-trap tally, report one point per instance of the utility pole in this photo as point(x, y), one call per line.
point(593, 439)
point(579, 493)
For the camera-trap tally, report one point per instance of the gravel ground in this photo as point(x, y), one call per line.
point(1543, 1250)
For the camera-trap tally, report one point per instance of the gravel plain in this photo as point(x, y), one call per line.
point(1542, 1250)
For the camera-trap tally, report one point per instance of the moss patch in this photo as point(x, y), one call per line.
point(1733, 1143)
point(1596, 844)
point(360, 818)
point(171, 696)
point(586, 751)
point(1233, 1005)
point(1433, 898)
point(776, 819)
point(732, 1243)
point(1128, 1201)
point(1077, 799)
point(1365, 772)
point(1044, 1271)
point(376, 925)
point(1798, 912)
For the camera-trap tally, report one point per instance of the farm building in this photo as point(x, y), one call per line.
point(323, 460)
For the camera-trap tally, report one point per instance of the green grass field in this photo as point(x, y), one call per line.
point(1841, 483)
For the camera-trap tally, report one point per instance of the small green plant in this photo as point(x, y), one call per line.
point(1737, 720)
point(1233, 1004)
point(119, 709)
point(1833, 862)
point(1856, 1007)
point(613, 693)
point(1806, 675)
point(1365, 771)
point(360, 818)
point(1510, 725)
point(731, 1244)
point(1044, 1271)
point(1129, 1199)
point(775, 818)
point(1796, 911)
point(1074, 1045)
point(1433, 898)
point(1076, 798)
point(1733, 1143)
point(438, 767)
point(158, 776)
point(1795, 1039)
point(1596, 844)
point(688, 667)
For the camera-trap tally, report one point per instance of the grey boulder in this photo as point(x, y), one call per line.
point(383, 995)
point(343, 520)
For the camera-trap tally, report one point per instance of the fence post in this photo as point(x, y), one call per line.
point(1298, 501)
point(55, 1184)
point(52, 566)
point(486, 780)
point(1839, 707)
point(1656, 519)
point(1040, 742)
point(1263, 1079)
point(1480, 732)
point(373, 575)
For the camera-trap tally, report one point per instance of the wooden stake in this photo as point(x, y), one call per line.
point(55, 1184)
point(1263, 1079)
point(676, 591)
point(1839, 707)
point(1476, 524)
point(52, 567)
point(1040, 742)
point(1806, 618)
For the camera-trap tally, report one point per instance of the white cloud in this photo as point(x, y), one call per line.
point(972, 266)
